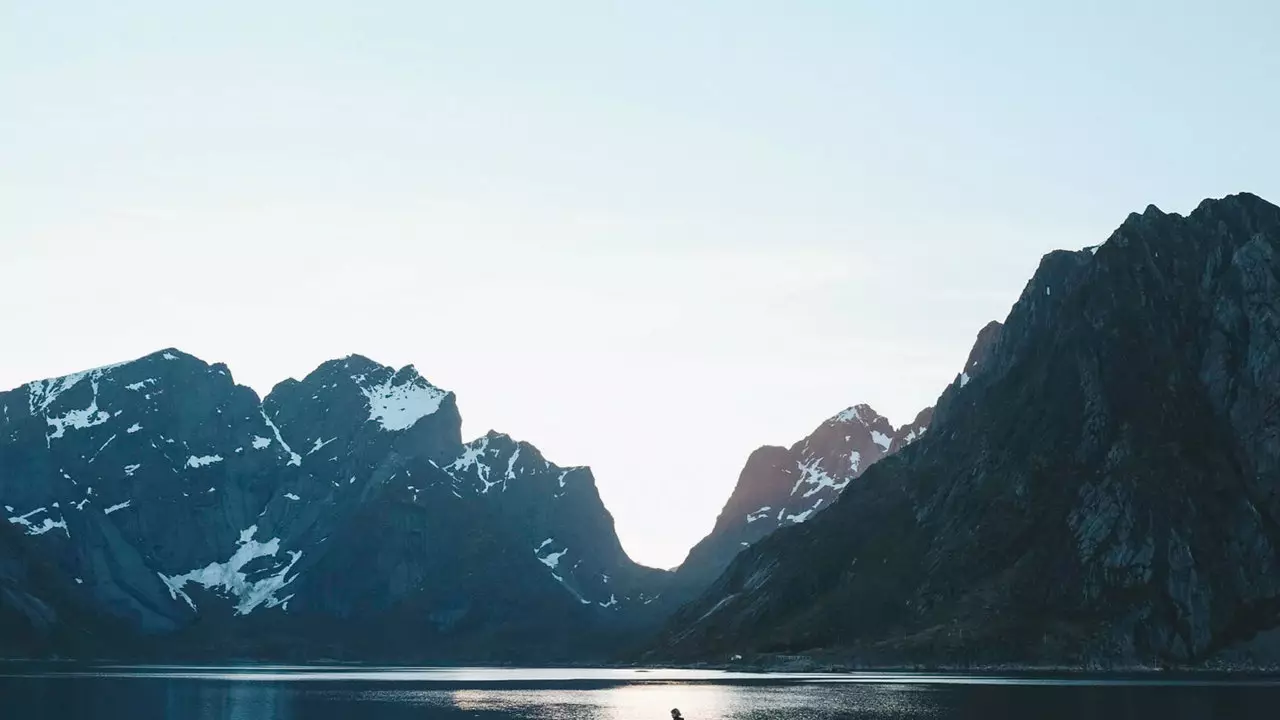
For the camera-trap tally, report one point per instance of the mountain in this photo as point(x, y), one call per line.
point(157, 507)
point(1100, 487)
point(780, 487)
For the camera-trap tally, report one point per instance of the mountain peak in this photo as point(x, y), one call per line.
point(145, 374)
point(1101, 495)
point(396, 399)
point(168, 494)
point(862, 413)
point(355, 365)
point(401, 400)
point(165, 354)
point(781, 486)
point(1245, 200)
point(169, 353)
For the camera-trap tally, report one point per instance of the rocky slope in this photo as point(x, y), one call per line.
point(780, 487)
point(156, 506)
point(1100, 485)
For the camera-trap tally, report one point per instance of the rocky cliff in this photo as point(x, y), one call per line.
point(1100, 486)
point(157, 507)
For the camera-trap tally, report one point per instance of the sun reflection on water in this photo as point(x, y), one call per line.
point(625, 702)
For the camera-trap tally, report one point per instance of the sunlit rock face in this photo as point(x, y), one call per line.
point(780, 487)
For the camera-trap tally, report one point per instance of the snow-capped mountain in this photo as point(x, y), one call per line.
point(157, 497)
point(780, 486)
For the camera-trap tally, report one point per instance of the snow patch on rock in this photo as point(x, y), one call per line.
point(851, 413)
point(43, 527)
point(798, 517)
point(78, 419)
point(315, 447)
point(229, 577)
point(816, 478)
point(399, 407)
point(42, 393)
point(879, 438)
point(552, 559)
point(471, 460)
point(511, 464)
point(203, 460)
point(294, 458)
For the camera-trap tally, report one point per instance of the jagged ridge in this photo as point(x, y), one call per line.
point(165, 499)
point(1098, 488)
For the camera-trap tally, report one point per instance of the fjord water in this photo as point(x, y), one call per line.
point(330, 693)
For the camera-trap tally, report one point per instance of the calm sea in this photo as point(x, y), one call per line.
point(311, 693)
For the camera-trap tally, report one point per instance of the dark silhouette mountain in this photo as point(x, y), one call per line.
point(157, 507)
point(779, 487)
point(1100, 485)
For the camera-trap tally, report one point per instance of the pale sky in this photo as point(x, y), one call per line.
point(645, 236)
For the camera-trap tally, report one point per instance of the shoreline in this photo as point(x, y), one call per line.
point(763, 670)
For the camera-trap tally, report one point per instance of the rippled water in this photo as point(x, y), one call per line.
point(258, 693)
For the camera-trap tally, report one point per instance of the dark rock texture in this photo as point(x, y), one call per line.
point(557, 513)
point(156, 508)
point(1100, 486)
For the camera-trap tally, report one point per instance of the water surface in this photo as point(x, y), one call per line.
point(329, 693)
